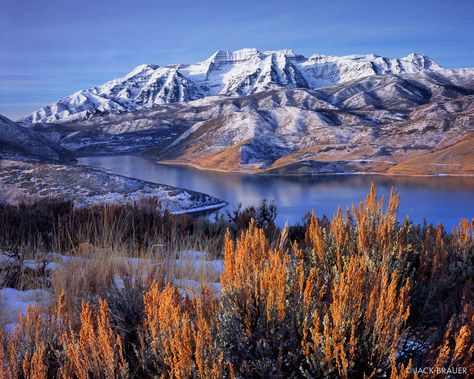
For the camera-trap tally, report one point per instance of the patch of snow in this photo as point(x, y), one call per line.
point(13, 302)
point(199, 262)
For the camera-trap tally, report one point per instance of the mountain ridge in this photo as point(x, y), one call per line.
point(23, 143)
point(277, 112)
point(369, 124)
point(224, 73)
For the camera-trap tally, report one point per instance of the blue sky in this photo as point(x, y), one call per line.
point(50, 49)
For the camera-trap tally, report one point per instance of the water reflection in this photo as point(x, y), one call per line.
point(438, 199)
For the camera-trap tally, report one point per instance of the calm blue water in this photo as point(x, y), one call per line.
point(438, 199)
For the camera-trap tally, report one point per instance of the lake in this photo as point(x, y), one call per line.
point(437, 199)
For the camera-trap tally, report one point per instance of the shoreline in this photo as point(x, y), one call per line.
point(85, 191)
point(201, 168)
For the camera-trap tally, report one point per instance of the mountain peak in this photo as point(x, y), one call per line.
point(246, 54)
point(233, 56)
point(414, 56)
point(229, 73)
point(421, 60)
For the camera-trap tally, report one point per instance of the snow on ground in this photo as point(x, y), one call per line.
point(200, 209)
point(410, 348)
point(85, 187)
point(199, 261)
point(32, 264)
point(13, 302)
point(191, 270)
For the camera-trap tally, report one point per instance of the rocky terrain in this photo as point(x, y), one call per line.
point(276, 112)
point(367, 125)
point(394, 124)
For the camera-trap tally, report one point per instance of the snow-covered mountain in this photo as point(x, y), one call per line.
point(369, 124)
point(225, 73)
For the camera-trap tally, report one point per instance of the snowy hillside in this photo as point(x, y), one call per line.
point(23, 143)
point(32, 181)
point(239, 73)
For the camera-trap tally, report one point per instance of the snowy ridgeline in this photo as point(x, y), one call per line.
point(239, 73)
point(85, 186)
point(190, 270)
point(366, 125)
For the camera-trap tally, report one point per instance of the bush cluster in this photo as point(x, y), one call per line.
point(358, 296)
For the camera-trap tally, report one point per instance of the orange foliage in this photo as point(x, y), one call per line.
point(338, 304)
point(181, 333)
point(457, 349)
point(26, 350)
point(96, 351)
point(361, 325)
point(256, 274)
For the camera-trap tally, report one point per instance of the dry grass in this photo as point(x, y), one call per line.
point(457, 159)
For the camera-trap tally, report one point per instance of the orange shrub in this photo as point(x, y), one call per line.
point(96, 351)
point(345, 301)
point(180, 337)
